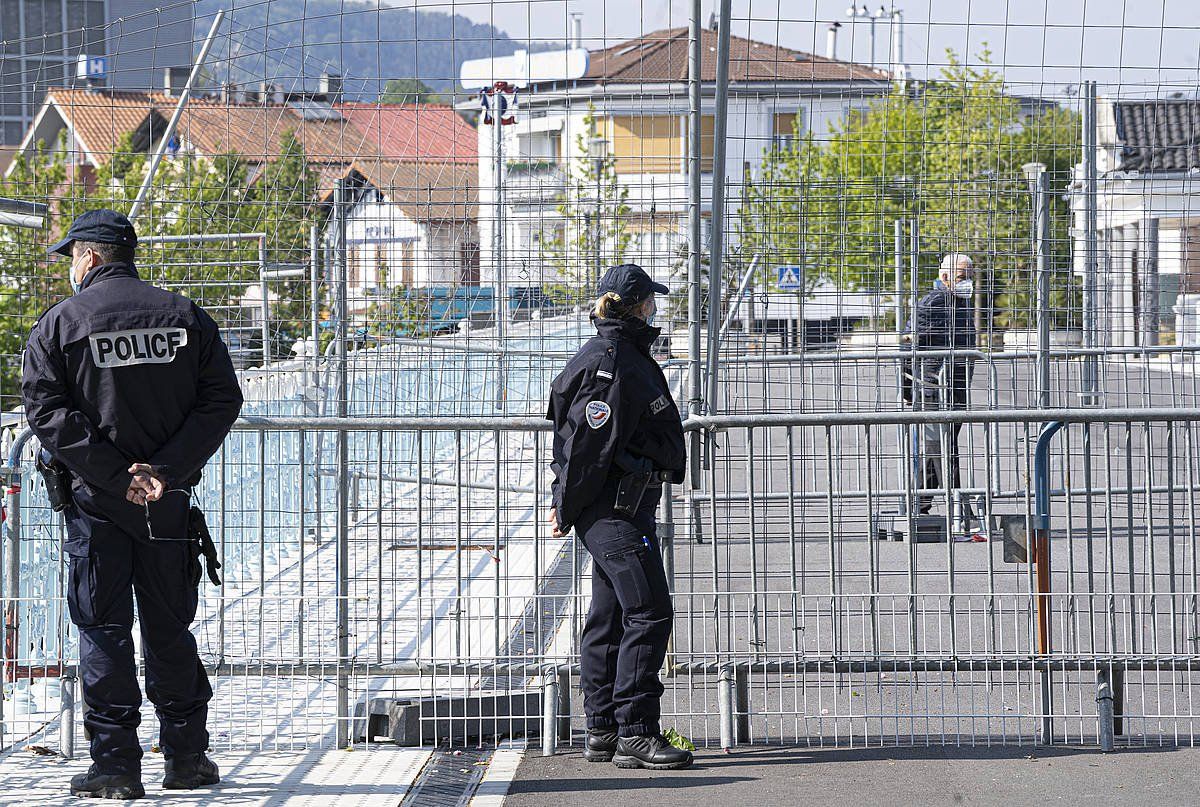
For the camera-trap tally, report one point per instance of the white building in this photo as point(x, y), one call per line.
point(413, 225)
point(638, 93)
point(1148, 164)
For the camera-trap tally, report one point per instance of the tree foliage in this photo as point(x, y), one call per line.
point(190, 195)
point(593, 225)
point(947, 154)
point(408, 91)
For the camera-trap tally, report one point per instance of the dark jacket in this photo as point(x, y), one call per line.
point(944, 321)
point(610, 400)
point(125, 372)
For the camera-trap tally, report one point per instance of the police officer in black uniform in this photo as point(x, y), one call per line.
point(130, 391)
point(617, 438)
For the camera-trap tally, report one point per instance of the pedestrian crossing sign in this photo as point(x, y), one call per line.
point(789, 278)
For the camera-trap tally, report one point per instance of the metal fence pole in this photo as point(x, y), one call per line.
point(164, 140)
point(725, 706)
point(66, 717)
point(550, 692)
point(1149, 280)
point(716, 261)
point(1090, 254)
point(1041, 536)
point(695, 302)
point(1104, 709)
point(12, 578)
point(342, 513)
point(1041, 197)
point(314, 283)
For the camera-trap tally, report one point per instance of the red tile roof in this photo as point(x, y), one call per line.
point(662, 56)
point(424, 190)
point(254, 131)
point(415, 131)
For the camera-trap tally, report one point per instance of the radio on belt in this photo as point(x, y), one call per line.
point(137, 346)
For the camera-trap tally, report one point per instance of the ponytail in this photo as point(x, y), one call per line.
point(610, 306)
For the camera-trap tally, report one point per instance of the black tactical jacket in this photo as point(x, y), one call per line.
point(610, 400)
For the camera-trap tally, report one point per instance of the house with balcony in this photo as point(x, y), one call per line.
point(630, 107)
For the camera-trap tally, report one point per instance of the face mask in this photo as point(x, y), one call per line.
point(75, 284)
point(938, 284)
point(650, 317)
point(964, 288)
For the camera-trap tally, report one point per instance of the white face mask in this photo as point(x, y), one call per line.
point(75, 284)
point(964, 288)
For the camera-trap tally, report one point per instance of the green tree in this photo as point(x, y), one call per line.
point(592, 230)
point(408, 91)
point(948, 155)
point(31, 282)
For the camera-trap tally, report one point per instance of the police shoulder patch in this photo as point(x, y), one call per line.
point(598, 413)
point(659, 404)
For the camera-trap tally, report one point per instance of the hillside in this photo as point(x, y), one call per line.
point(291, 42)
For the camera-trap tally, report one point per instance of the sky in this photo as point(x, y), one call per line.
point(1131, 47)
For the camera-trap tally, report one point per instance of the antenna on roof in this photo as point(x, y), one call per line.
point(713, 24)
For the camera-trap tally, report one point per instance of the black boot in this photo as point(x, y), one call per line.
point(190, 771)
point(650, 751)
point(600, 745)
point(96, 785)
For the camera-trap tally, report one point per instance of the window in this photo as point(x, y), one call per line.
point(784, 129)
point(646, 144)
point(468, 273)
point(407, 252)
point(538, 148)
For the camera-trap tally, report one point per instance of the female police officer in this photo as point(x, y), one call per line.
point(617, 438)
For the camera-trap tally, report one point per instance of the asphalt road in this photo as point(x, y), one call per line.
point(929, 776)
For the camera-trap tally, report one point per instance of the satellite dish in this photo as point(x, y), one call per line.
point(524, 68)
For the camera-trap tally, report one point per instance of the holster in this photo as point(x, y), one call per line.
point(58, 481)
point(198, 532)
point(632, 486)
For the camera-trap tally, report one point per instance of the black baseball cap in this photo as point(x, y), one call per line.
point(101, 226)
point(631, 282)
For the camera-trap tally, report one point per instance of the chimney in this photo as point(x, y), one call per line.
point(576, 30)
point(331, 87)
point(229, 93)
point(831, 40)
point(175, 79)
point(899, 68)
point(269, 93)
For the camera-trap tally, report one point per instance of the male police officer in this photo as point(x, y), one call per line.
point(945, 320)
point(131, 390)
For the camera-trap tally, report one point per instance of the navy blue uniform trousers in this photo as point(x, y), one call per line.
point(108, 568)
point(624, 640)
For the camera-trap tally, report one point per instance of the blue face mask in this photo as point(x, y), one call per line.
point(652, 315)
point(938, 284)
point(76, 285)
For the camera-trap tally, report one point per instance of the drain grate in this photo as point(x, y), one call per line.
point(449, 778)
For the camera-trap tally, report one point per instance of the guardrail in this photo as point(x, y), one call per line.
point(411, 550)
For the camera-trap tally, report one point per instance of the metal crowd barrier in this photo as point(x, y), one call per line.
point(406, 557)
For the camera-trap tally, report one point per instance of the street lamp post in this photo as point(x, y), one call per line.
point(1035, 175)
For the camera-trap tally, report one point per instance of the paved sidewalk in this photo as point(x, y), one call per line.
point(363, 778)
point(929, 777)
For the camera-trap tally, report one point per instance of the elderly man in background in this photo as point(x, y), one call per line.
point(944, 320)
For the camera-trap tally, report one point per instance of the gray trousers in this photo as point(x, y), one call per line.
point(941, 383)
